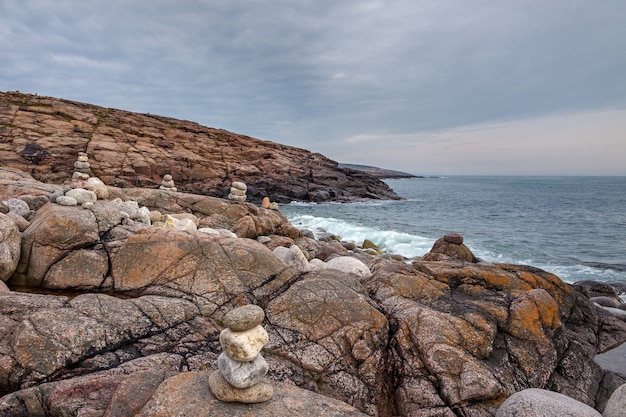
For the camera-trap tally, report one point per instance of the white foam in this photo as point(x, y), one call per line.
point(388, 240)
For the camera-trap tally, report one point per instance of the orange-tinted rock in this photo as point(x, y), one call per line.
point(452, 250)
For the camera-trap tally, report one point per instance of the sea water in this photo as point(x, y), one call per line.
point(574, 227)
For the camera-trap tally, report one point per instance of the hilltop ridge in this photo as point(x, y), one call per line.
point(41, 135)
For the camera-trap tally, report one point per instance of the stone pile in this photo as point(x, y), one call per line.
point(81, 179)
point(82, 164)
point(238, 191)
point(168, 183)
point(241, 367)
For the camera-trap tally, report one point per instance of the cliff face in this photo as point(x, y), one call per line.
point(42, 135)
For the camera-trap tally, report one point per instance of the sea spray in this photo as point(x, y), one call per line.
point(388, 240)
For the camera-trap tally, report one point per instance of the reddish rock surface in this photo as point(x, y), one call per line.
point(440, 336)
point(42, 136)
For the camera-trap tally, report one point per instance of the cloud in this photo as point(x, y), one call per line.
point(316, 73)
point(593, 143)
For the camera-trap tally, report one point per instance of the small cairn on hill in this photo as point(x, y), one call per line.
point(238, 191)
point(241, 367)
point(168, 183)
point(82, 164)
point(84, 189)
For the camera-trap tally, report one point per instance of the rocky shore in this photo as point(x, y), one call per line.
point(114, 307)
point(41, 135)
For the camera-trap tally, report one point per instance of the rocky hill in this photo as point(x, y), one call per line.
point(42, 135)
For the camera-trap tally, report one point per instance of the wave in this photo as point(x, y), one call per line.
point(411, 246)
point(388, 240)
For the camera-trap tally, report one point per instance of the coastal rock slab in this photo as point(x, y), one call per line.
point(81, 269)
point(54, 231)
point(533, 402)
point(334, 337)
point(213, 272)
point(120, 392)
point(188, 394)
point(223, 391)
point(83, 333)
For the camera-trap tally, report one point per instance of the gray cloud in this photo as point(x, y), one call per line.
point(316, 73)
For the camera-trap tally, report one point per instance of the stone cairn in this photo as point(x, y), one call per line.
point(168, 183)
point(84, 190)
point(82, 171)
point(238, 191)
point(241, 368)
point(82, 164)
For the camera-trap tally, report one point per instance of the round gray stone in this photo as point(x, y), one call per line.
point(81, 195)
point(534, 402)
point(244, 318)
point(617, 403)
point(242, 374)
point(66, 201)
point(19, 207)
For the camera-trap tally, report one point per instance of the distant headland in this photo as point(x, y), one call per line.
point(377, 172)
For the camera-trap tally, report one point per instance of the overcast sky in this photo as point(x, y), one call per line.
point(424, 86)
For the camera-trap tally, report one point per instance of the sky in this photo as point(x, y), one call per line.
point(446, 87)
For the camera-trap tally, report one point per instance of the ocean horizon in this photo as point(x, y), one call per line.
point(572, 226)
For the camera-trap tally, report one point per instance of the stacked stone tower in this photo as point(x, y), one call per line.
point(241, 367)
point(238, 191)
point(168, 183)
point(82, 171)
